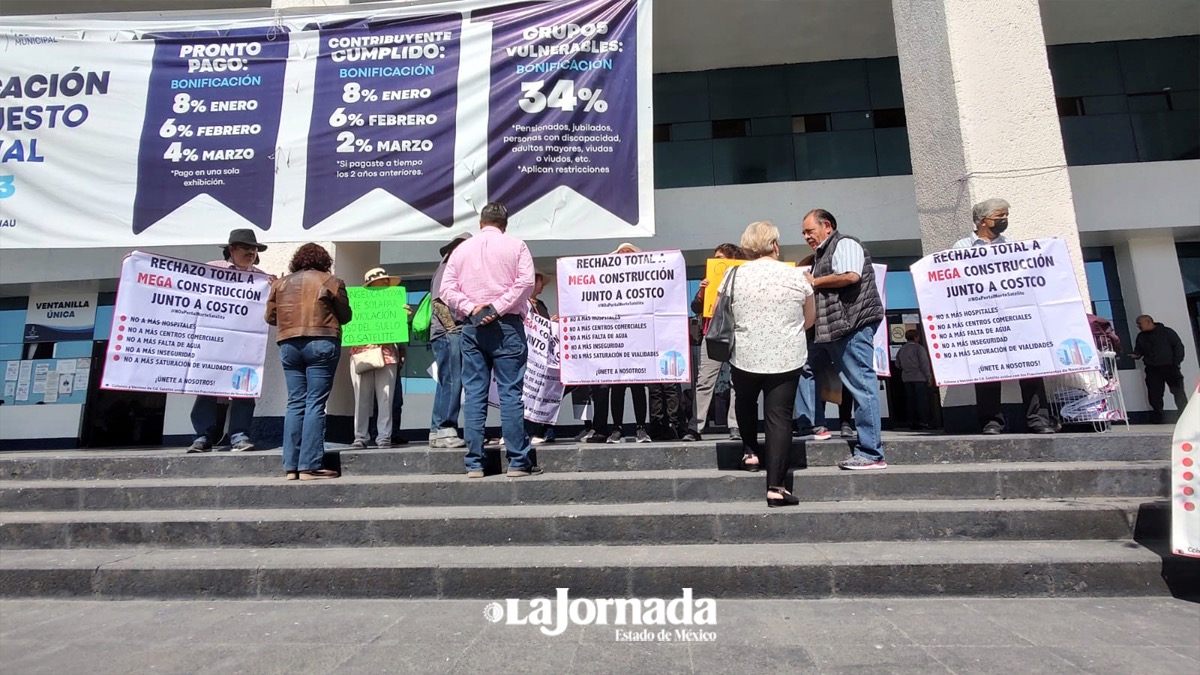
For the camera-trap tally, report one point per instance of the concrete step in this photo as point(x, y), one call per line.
point(858, 569)
point(607, 524)
point(569, 457)
point(1016, 480)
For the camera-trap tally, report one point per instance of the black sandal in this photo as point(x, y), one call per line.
point(788, 499)
point(747, 466)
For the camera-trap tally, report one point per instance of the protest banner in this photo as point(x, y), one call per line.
point(380, 123)
point(1185, 487)
point(1003, 312)
point(380, 316)
point(623, 318)
point(543, 390)
point(181, 327)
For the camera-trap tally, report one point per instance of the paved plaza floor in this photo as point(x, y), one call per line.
point(1044, 635)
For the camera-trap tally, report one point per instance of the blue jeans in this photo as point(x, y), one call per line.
point(809, 411)
point(497, 349)
point(447, 398)
point(309, 364)
point(854, 356)
point(204, 419)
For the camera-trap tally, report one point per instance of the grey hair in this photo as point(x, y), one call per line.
point(759, 238)
point(986, 208)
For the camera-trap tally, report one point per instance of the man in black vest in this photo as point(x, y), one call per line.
point(849, 311)
point(991, 221)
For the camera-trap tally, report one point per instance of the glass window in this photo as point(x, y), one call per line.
point(1098, 139)
point(691, 131)
point(765, 159)
point(770, 126)
point(853, 120)
point(1105, 105)
point(892, 152)
point(1185, 100)
point(730, 128)
point(1149, 103)
point(1085, 69)
point(1097, 283)
point(838, 154)
point(1160, 64)
point(680, 97)
point(901, 294)
point(883, 82)
point(811, 124)
point(683, 164)
point(890, 118)
point(1167, 136)
point(12, 325)
point(828, 86)
point(747, 92)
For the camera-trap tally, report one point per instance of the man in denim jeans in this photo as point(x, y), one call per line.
point(849, 311)
point(445, 336)
point(241, 253)
point(488, 283)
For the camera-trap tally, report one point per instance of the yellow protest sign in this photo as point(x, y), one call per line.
point(714, 273)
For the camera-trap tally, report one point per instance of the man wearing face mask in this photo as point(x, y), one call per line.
point(991, 220)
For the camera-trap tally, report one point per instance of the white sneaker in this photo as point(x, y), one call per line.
point(536, 440)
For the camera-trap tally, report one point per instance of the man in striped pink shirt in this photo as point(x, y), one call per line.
point(488, 282)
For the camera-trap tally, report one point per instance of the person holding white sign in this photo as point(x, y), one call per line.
point(991, 222)
point(488, 282)
point(373, 376)
point(849, 311)
point(772, 305)
point(241, 253)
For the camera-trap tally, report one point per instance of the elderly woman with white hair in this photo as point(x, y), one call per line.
point(772, 306)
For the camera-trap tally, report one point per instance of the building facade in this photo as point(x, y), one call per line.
point(895, 115)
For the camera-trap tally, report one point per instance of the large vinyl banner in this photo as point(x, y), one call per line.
point(624, 318)
point(1003, 312)
point(1185, 487)
point(380, 123)
point(180, 327)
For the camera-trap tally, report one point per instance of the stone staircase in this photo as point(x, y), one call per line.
point(1008, 516)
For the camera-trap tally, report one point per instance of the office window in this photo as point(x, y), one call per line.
point(747, 92)
point(680, 97)
point(1085, 69)
point(827, 86)
point(730, 128)
point(1167, 136)
point(740, 161)
point(1098, 139)
point(837, 154)
point(683, 164)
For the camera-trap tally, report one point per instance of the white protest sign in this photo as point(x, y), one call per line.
point(1003, 312)
point(624, 318)
point(543, 390)
point(185, 328)
point(1185, 502)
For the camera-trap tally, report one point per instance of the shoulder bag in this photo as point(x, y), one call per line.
point(719, 340)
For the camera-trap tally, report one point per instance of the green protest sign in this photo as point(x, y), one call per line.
point(379, 316)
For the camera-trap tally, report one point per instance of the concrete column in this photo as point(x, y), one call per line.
point(1152, 283)
point(982, 120)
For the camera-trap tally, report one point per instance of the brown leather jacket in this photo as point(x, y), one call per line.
point(308, 304)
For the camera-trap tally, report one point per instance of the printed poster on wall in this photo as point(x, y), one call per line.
point(1003, 312)
point(623, 318)
point(373, 124)
point(181, 327)
point(60, 317)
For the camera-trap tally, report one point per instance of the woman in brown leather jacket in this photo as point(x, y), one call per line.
point(309, 306)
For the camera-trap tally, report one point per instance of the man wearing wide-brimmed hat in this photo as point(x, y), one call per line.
point(241, 253)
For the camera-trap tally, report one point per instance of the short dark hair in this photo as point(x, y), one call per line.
point(495, 213)
point(311, 257)
point(731, 251)
point(911, 334)
point(822, 215)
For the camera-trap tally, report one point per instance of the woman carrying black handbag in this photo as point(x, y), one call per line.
point(763, 309)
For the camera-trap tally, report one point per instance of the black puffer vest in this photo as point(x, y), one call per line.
point(841, 311)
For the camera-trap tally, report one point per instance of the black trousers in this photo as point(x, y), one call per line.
point(638, 392)
point(664, 408)
point(916, 396)
point(598, 396)
point(779, 398)
point(1159, 378)
point(1033, 397)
